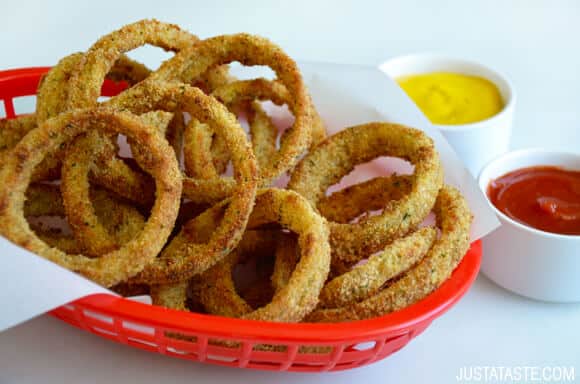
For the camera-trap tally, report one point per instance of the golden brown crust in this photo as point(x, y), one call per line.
point(86, 81)
point(360, 199)
point(287, 255)
point(366, 279)
point(454, 220)
point(341, 152)
point(13, 130)
point(188, 65)
point(217, 291)
point(115, 266)
point(300, 295)
point(174, 263)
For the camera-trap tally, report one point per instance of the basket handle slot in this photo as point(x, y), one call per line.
point(9, 108)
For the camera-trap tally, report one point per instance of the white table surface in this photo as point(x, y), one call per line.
point(535, 43)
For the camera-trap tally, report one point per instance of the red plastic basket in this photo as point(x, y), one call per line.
point(148, 327)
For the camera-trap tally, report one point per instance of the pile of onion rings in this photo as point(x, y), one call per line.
point(191, 217)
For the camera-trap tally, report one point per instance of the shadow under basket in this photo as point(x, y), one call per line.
point(301, 347)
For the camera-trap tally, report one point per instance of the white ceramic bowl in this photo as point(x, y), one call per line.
point(525, 260)
point(475, 143)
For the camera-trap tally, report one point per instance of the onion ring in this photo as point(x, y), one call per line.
point(43, 200)
point(75, 186)
point(351, 202)
point(286, 258)
point(262, 131)
point(188, 64)
point(199, 159)
point(454, 219)
point(341, 152)
point(366, 279)
point(119, 219)
point(52, 97)
point(85, 84)
point(117, 265)
point(79, 208)
point(13, 130)
point(172, 265)
point(217, 292)
point(300, 295)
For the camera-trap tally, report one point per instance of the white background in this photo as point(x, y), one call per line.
point(536, 44)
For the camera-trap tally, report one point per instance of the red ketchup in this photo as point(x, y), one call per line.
point(546, 198)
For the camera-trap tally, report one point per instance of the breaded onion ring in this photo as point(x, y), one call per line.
point(121, 219)
point(366, 279)
point(86, 81)
point(172, 265)
point(13, 130)
point(52, 99)
point(372, 195)
point(300, 295)
point(217, 292)
point(286, 258)
point(262, 130)
point(189, 64)
point(341, 152)
point(197, 154)
point(454, 220)
point(80, 210)
point(117, 265)
point(85, 86)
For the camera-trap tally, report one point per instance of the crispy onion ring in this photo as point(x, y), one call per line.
point(454, 220)
point(356, 200)
point(56, 238)
point(366, 279)
point(219, 154)
point(300, 295)
point(80, 210)
point(205, 155)
point(172, 265)
point(217, 291)
point(286, 258)
point(13, 130)
point(359, 144)
point(189, 64)
point(117, 265)
point(77, 165)
point(119, 219)
point(52, 98)
point(197, 154)
point(43, 200)
point(53, 89)
point(150, 95)
point(263, 133)
point(262, 130)
point(85, 83)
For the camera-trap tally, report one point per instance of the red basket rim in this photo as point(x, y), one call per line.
point(27, 79)
point(423, 311)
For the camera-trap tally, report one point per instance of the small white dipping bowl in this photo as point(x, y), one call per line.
point(533, 263)
point(475, 143)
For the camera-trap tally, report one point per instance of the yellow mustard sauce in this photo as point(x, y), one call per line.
point(453, 98)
